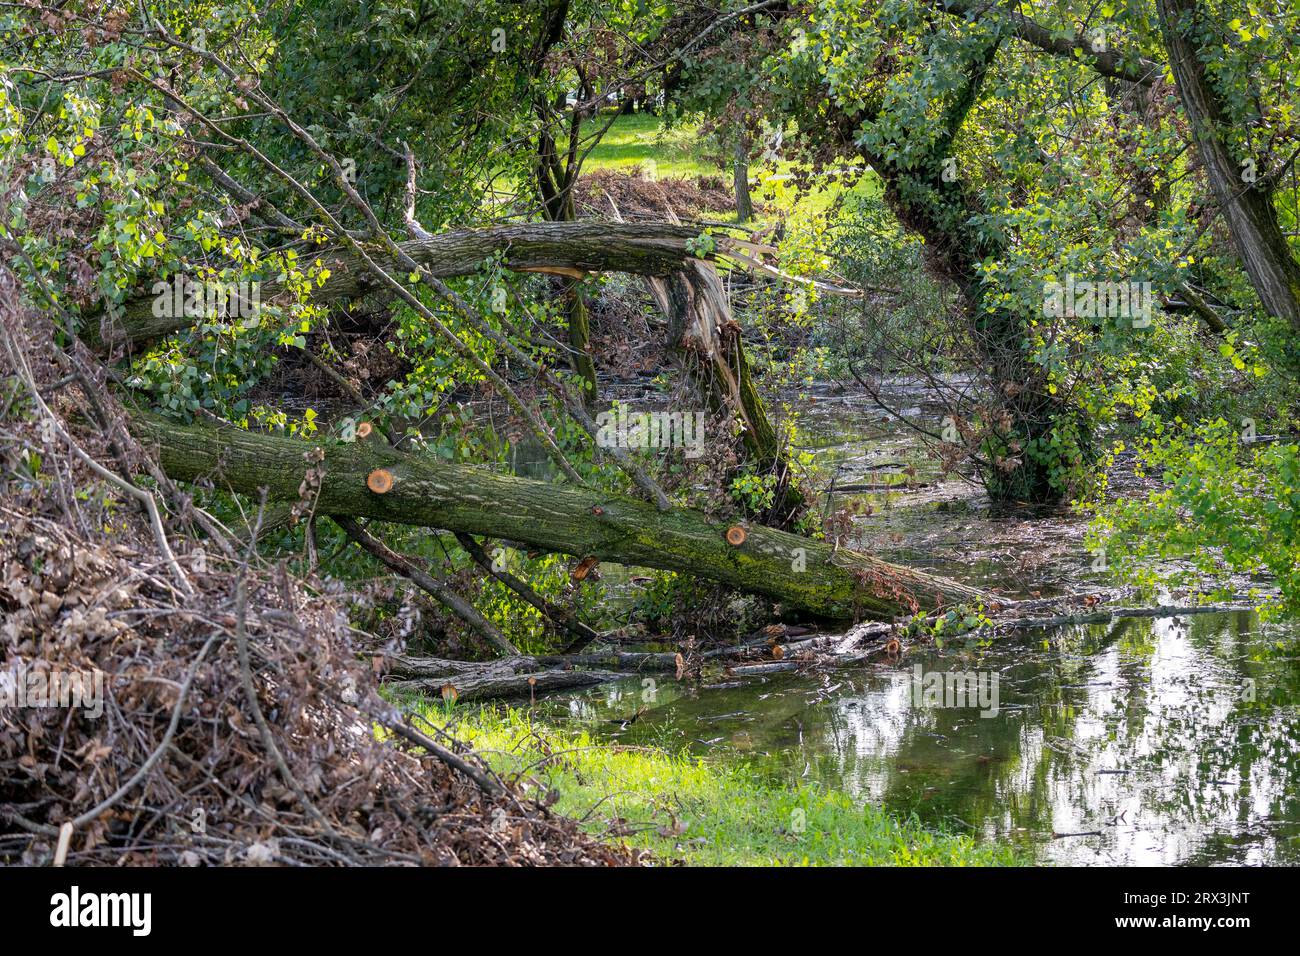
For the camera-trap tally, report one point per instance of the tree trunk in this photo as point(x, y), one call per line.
point(556, 180)
point(740, 181)
point(575, 304)
point(927, 195)
point(800, 573)
point(504, 678)
point(1247, 206)
point(564, 248)
point(702, 331)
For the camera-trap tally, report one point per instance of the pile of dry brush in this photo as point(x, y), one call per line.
point(236, 725)
point(632, 195)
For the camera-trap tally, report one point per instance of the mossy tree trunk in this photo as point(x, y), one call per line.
point(927, 194)
point(803, 575)
point(562, 248)
point(1244, 193)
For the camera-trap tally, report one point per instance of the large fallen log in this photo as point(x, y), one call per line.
point(801, 573)
point(562, 248)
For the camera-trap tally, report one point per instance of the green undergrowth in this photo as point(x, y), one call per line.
point(699, 811)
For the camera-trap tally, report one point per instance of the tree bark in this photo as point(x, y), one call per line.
point(800, 573)
point(740, 182)
point(508, 677)
point(1247, 206)
point(562, 248)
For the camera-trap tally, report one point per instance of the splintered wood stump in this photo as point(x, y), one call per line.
point(803, 574)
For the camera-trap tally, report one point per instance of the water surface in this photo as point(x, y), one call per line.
point(1143, 741)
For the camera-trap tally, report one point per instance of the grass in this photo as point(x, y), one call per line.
point(641, 139)
point(681, 152)
point(698, 811)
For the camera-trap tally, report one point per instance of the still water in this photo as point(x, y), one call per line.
point(1144, 741)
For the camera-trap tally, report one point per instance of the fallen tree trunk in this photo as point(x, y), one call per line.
point(473, 680)
point(562, 248)
point(802, 574)
point(685, 286)
point(531, 675)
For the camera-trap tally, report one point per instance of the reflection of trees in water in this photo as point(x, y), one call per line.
point(1161, 699)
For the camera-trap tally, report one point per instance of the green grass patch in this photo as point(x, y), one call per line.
point(679, 151)
point(641, 139)
point(699, 811)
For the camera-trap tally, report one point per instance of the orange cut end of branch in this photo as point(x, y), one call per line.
point(380, 481)
point(736, 535)
point(583, 569)
point(363, 430)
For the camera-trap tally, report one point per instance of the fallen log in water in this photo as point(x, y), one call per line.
point(800, 573)
point(1104, 615)
point(527, 675)
point(506, 677)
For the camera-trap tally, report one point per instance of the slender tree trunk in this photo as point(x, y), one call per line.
point(740, 180)
point(1245, 197)
point(556, 180)
point(575, 303)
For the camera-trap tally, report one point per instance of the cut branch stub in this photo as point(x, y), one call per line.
point(380, 481)
point(736, 535)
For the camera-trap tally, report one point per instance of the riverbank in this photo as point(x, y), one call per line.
point(689, 809)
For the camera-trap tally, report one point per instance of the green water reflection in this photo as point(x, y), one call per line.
point(1173, 740)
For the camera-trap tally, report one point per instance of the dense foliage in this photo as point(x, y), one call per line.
point(975, 158)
